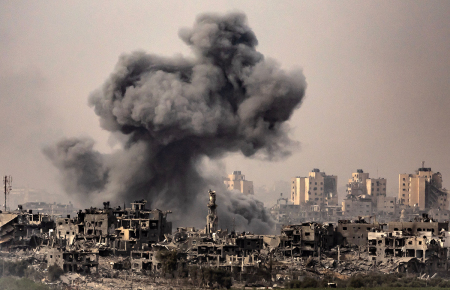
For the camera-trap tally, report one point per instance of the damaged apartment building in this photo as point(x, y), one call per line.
point(21, 228)
point(119, 229)
point(140, 234)
point(134, 239)
point(417, 246)
point(78, 242)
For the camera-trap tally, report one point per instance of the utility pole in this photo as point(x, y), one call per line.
point(233, 230)
point(7, 182)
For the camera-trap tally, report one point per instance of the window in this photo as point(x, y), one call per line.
point(344, 228)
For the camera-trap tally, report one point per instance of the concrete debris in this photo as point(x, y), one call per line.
point(118, 247)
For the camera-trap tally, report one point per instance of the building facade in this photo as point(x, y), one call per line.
point(362, 185)
point(317, 189)
point(422, 190)
point(236, 181)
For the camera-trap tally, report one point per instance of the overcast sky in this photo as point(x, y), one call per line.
point(378, 75)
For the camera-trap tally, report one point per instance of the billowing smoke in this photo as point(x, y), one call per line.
point(171, 113)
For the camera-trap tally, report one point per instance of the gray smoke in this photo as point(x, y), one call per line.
point(172, 112)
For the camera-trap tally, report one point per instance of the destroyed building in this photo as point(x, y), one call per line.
point(139, 240)
point(20, 228)
point(424, 224)
point(119, 230)
point(354, 232)
point(306, 240)
point(72, 260)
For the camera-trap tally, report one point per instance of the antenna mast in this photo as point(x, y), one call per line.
point(7, 182)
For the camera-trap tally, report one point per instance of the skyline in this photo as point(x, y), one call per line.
point(377, 77)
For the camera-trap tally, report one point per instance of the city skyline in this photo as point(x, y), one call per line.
point(377, 78)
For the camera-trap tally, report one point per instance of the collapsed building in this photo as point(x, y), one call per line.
point(141, 240)
point(119, 230)
point(22, 228)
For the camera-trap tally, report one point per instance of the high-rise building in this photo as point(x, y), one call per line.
point(423, 190)
point(356, 185)
point(361, 185)
point(236, 181)
point(316, 189)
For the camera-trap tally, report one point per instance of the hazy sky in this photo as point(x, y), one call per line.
point(378, 77)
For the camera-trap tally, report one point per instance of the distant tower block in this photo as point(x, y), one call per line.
point(212, 221)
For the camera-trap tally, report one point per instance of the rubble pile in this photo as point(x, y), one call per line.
point(118, 247)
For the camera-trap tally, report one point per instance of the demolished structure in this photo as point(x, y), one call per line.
point(140, 240)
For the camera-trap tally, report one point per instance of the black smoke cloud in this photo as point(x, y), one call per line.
point(170, 113)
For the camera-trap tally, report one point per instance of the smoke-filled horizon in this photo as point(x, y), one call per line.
point(171, 113)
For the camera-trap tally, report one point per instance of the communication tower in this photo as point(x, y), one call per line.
point(7, 182)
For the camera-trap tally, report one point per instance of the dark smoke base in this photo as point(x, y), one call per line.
point(172, 112)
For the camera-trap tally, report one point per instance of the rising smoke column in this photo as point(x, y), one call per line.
point(172, 112)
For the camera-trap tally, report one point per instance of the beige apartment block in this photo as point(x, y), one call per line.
point(386, 204)
point(361, 185)
point(317, 189)
point(423, 190)
point(357, 184)
point(357, 206)
point(376, 187)
point(236, 181)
